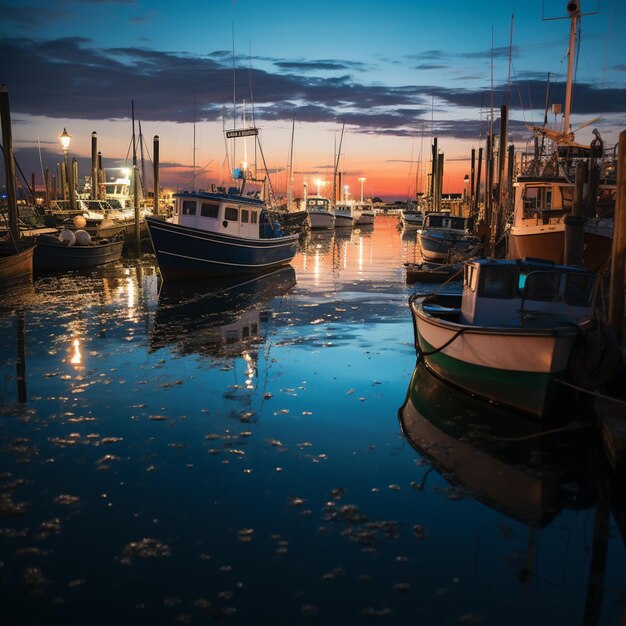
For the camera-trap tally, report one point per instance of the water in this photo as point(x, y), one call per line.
point(189, 456)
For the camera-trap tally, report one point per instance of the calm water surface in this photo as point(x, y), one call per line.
point(268, 453)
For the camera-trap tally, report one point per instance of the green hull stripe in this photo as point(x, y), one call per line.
point(527, 391)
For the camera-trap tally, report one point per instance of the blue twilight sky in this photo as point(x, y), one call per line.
point(393, 71)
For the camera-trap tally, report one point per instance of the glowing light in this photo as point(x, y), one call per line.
point(125, 172)
point(77, 358)
point(65, 139)
point(319, 183)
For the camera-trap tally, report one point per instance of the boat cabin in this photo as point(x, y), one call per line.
point(541, 201)
point(512, 292)
point(226, 214)
point(317, 204)
point(445, 221)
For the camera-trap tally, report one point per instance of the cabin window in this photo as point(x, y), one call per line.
point(543, 286)
point(189, 207)
point(245, 332)
point(579, 289)
point(209, 210)
point(231, 214)
point(470, 277)
point(253, 217)
point(245, 216)
point(498, 282)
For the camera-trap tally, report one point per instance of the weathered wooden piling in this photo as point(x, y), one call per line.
point(478, 176)
point(618, 257)
point(9, 161)
point(136, 187)
point(73, 180)
point(611, 414)
point(155, 150)
point(575, 222)
point(94, 166)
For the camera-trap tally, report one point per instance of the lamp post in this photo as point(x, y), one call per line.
point(362, 180)
point(466, 182)
point(65, 139)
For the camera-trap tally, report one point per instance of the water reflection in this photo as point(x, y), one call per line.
point(220, 317)
point(509, 465)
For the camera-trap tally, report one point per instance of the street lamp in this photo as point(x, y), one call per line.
point(362, 180)
point(320, 183)
point(65, 139)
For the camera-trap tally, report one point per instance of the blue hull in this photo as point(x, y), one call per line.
point(184, 253)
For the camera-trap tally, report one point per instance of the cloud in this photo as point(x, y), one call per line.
point(27, 15)
point(310, 66)
point(81, 81)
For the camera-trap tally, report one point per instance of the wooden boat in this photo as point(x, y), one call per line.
point(219, 233)
point(16, 264)
point(432, 272)
point(517, 327)
point(443, 233)
point(53, 254)
point(545, 184)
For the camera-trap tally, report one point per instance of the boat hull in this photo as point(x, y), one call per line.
point(364, 219)
point(57, 256)
point(549, 243)
point(321, 221)
point(515, 367)
point(411, 221)
point(15, 266)
point(343, 221)
point(184, 253)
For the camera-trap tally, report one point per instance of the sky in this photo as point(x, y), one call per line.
point(392, 74)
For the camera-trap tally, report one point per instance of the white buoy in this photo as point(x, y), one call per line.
point(67, 237)
point(83, 238)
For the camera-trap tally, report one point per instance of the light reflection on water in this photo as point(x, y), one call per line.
point(199, 451)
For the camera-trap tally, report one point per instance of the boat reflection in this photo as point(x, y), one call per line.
point(217, 317)
point(498, 456)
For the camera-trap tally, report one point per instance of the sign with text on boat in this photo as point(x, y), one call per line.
point(242, 132)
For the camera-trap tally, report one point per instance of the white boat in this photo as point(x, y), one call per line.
point(320, 213)
point(443, 234)
point(343, 215)
point(364, 214)
point(411, 219)
point(517, 327)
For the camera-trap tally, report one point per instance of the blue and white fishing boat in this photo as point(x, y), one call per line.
point(218, 233)
point(441, 233)
point(517, 327)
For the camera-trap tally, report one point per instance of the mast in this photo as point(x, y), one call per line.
point(337, 164)
point(573, 8)
point(290, 168)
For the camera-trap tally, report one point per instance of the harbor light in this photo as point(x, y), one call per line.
point(320, 183)
point(362, 180)
point(65, 139)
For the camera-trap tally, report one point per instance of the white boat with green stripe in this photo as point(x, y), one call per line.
point(511, 332)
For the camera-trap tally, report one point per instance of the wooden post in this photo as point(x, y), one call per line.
point(73, 179)
point(502, 144)
point(32, 187)
point(439, 181)
point(472, 177)
point(46, 182)
point(155, 151)
point(136, 187)
point(575, 222)
point(94, 166)
point(433, 178)
point(9, 161)
point(478, 175)
point(617, 283)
